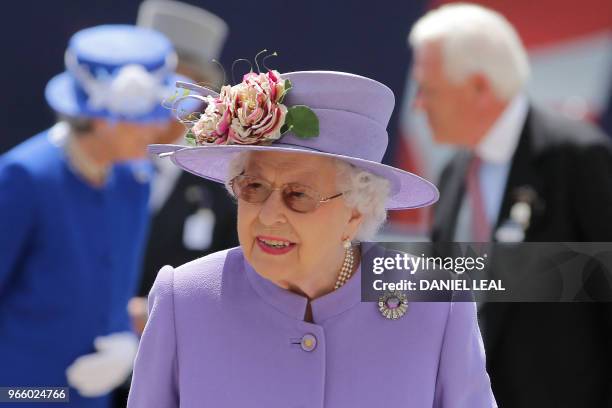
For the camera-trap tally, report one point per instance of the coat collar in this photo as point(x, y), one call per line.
point(294, 305)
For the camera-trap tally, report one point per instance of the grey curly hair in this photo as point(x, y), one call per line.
point(364, 191)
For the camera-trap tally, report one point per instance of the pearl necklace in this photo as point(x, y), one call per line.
point(347, 268)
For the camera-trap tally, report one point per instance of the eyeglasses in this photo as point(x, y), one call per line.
point(297, 197)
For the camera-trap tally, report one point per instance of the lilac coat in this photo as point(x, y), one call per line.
point(220, 335)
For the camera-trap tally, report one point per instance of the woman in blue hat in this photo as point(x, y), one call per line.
point(73, 211)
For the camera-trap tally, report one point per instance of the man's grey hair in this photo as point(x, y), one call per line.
point(363, 191)
point(475, 39)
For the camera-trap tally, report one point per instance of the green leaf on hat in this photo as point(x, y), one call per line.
point(288, 86)
point(285, 128)
point(302, 121)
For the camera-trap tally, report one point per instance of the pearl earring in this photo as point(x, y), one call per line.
point(346, 243)
point(347, 266)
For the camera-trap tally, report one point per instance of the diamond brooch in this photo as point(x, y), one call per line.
point(393, 305)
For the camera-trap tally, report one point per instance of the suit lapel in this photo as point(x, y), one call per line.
point(452, 188)
point(523, 176)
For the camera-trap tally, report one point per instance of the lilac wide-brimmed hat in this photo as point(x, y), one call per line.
point(352, 114)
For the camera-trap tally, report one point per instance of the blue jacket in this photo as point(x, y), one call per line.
point(69, 261)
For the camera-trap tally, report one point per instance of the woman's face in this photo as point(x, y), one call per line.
point(313, 249)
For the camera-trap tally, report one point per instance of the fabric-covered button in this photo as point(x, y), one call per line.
point(309, 342)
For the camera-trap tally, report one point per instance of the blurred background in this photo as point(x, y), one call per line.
point(570, 45)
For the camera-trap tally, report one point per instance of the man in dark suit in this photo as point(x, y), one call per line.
point(191, 217)
point(522, 175)
point(195, 217)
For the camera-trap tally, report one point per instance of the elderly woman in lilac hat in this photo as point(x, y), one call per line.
point(278, 321)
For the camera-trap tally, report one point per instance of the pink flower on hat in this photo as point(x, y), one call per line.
point(252, 112)
point(213, 125)
point(259, 115)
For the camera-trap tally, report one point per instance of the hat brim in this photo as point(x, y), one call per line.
point(61, 97)
point(408, 191)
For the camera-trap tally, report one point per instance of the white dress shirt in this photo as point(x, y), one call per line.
point(164, 181)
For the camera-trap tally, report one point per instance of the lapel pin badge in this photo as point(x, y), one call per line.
point(393, 305)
